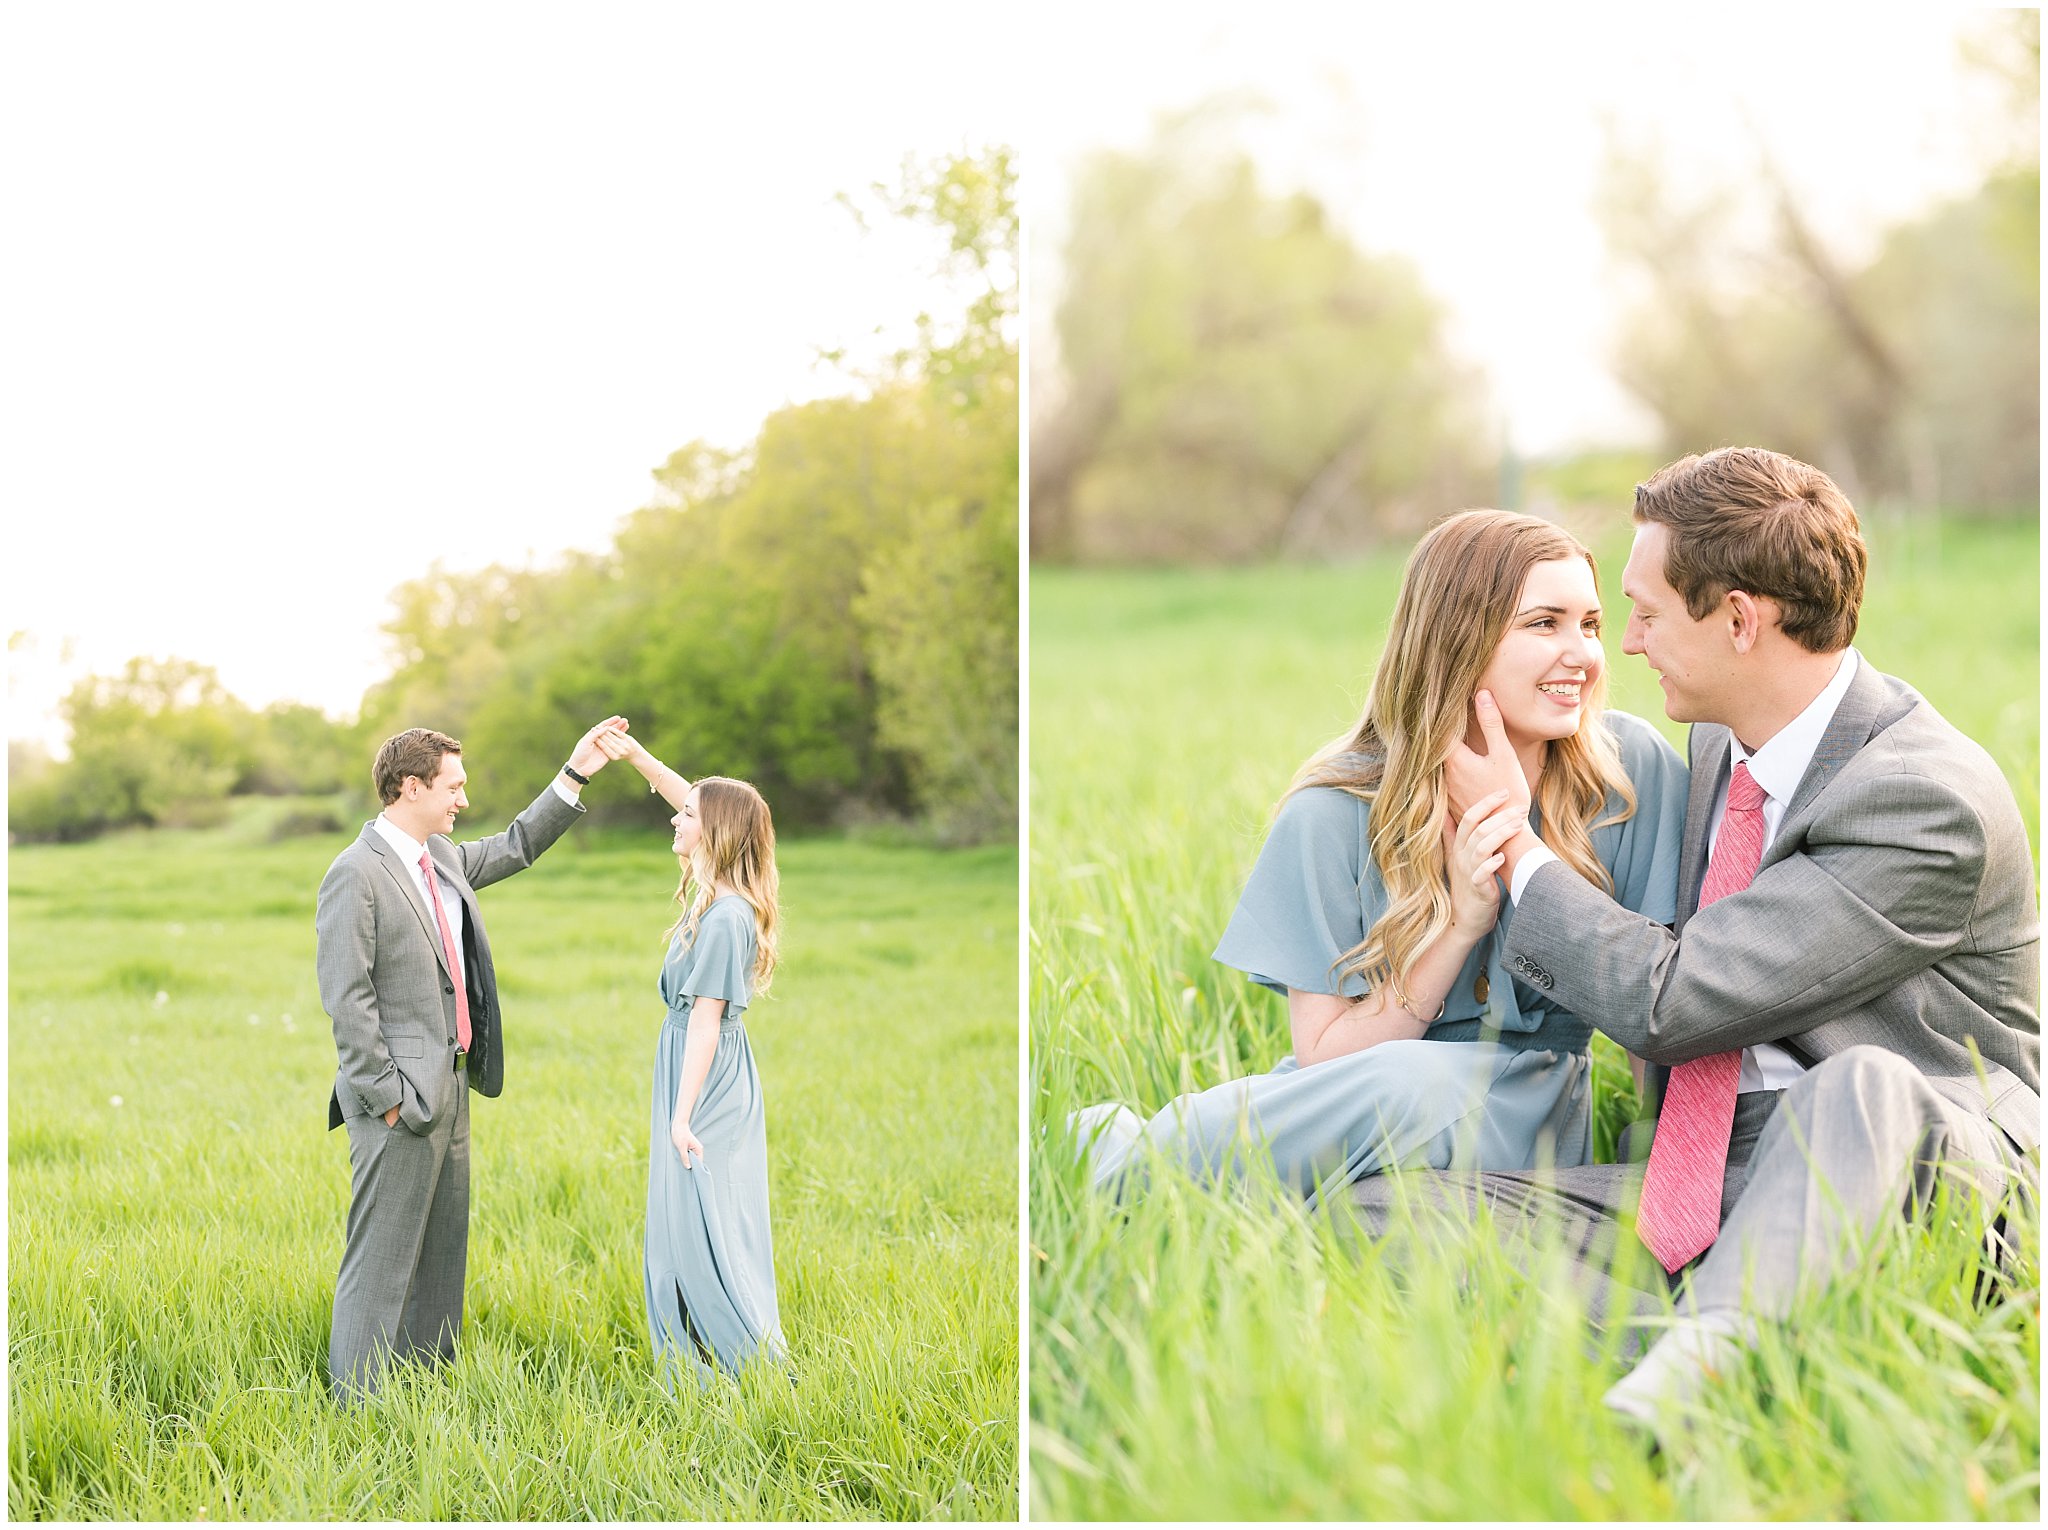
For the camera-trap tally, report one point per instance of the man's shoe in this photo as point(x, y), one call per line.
point(1661, 1391)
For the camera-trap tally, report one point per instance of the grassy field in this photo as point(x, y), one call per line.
point(1212, 1356)
point(176, 1206)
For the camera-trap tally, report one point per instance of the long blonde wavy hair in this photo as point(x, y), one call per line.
point(736, 846)
point(1459, 592)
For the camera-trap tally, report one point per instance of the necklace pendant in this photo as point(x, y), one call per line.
point(1480, 989)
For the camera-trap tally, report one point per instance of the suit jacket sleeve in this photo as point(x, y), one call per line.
point(485, 861)
point(1644, 861)
point(1881, 886)
point(345, 921)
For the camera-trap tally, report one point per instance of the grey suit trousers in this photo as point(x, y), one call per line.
point(1814, 1172)
point(400, 1289)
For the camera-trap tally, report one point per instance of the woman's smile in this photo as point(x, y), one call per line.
point(1550, 654)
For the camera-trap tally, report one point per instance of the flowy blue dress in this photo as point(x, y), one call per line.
point(710, 1264)
point(1500, 1081)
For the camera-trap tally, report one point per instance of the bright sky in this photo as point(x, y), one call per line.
point(301, 299)
point(1470, 139)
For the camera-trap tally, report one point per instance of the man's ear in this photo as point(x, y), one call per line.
point(1749, 617)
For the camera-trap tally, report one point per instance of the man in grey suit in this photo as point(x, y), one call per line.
point(1847, 1009)
point(406, 976)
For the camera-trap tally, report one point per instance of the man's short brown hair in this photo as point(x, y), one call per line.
point(415, 752)
point(1742, 518)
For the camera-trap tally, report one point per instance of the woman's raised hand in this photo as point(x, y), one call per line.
point(618, 744)
point(1472, 857)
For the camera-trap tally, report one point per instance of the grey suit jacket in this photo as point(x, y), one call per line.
point(384, 978)
point(1893, 908)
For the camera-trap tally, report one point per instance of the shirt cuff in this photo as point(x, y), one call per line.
point(1526, 868)
point(564, 793)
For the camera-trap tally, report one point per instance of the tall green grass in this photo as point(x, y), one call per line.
point(176, 1202)
point(1219, 1355)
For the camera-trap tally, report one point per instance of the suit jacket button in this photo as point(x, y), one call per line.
point(447, 988)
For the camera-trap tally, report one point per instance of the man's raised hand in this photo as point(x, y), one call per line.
point(589, 756)
point(1469, 775)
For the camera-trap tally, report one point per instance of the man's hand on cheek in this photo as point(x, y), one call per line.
point(1470, 775)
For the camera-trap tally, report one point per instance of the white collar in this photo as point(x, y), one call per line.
point(1780, 765)
point(408, 847)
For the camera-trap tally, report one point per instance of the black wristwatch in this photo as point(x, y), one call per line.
point(575, 775)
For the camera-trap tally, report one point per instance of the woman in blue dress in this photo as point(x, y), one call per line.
point(1380, 919)
point(709, 1262)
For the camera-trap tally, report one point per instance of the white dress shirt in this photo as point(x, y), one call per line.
point(410, 850)
point(1778, 767)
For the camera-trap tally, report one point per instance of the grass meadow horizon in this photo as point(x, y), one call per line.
point(1223, 1354)
point(176, 1206)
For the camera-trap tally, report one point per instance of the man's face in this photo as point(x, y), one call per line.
point(442, 798)
point(1695, 660)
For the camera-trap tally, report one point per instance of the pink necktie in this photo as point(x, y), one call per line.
point(455, 962)
point(1680, 1212)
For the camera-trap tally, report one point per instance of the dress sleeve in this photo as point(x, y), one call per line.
point(1645, 858)
point(722, 960)
point(1309, 898)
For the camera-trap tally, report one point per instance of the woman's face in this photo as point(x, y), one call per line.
point(688, 829)
point(1550, 655)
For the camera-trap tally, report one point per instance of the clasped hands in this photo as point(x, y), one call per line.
point(618, 744)
point(593, 750)
point(609, 740)
point(1487, 798)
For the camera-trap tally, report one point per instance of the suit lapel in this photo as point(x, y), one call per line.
point(402, 875)
point(1709, 774)
point(464, 909)
point(1861, 715)
point(451, 868)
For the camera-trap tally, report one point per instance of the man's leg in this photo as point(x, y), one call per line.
point(392, 1182)
point(1579, 1209)
point(433, 1307)
point(1576, 1209)
point(1856, 1140)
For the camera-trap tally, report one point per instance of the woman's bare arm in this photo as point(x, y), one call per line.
point(619, 745)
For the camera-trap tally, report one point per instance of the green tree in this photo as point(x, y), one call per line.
point(1238, 378)
point(738, 609)
point(161, 743)
point(468, 646)
point(299, 749)
point(1913, 377)
point(831, 613)
point(939, 601)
